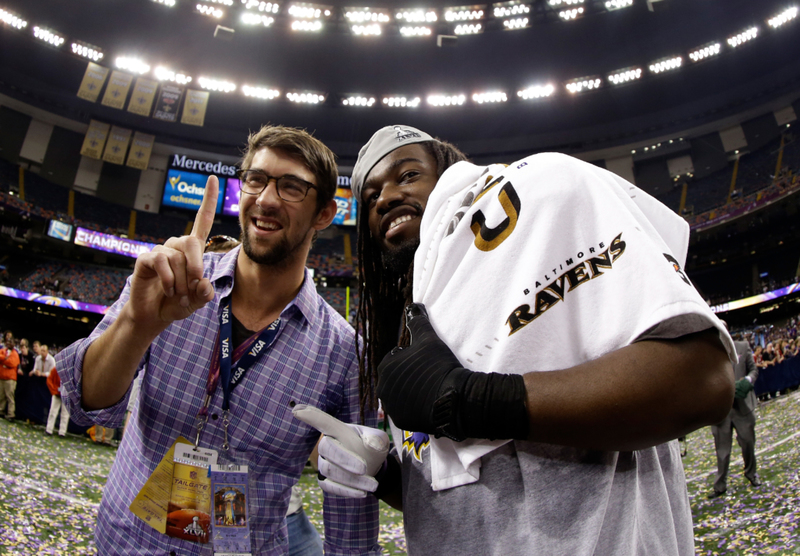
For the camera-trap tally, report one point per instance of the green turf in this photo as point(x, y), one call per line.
point(51, 488)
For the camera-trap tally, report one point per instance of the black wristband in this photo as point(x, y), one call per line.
point(481, 405)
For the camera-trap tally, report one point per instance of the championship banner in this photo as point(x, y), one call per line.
point(95, 139)
point(194, 108)
point(92, 82)
point(142, 98)
point(141, 147)
point(117, 145)
point(167, 103)
point(111, 243)
point(117, 91)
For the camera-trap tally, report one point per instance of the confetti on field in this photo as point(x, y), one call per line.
point(51, 488)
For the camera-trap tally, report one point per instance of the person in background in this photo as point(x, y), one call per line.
point(44, 362)
point(742, 419)
point(56, 404)
point(9, 368)
point(26, 358)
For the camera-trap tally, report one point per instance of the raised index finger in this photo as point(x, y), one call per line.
point(208, 208)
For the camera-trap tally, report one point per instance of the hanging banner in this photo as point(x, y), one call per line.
point(168, 102)
point(194, 108)
point(95, 139)
point(92, 82)
point(117, 145)
point(142, 98)
point(117, 91)
point(141, 147)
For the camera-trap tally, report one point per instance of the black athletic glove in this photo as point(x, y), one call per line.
point(423, 388)
point(743, 387)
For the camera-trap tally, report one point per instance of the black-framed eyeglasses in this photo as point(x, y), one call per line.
point(290, 188)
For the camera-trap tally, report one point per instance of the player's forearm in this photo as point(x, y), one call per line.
point(110, 362)
point(644, 394)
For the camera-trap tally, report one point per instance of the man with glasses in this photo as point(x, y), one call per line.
point(227, 345)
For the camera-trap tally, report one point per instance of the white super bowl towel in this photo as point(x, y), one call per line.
point(542, 265)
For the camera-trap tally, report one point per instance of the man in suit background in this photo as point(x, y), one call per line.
point(741, 417)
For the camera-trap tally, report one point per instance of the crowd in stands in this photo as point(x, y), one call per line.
point(773, 345)
point(75, 281)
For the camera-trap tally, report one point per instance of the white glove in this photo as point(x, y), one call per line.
point(349, 455)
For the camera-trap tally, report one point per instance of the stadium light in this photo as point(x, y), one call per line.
point(415, 31)
point(12, 19)
point(367, 15)
point(87, 50)
point(305, 10)
point(263, 93)
point(167, 3)
point(468, 29)
point(705, 51)
point(250, 18)
point(219, 85)
point(210, 11)
point(503, 10)
point(305, 97)
point(446, 100)
point(358, 100)
point(417, 16)
point(570, 14)
point(372, 29)
point(582, 84)
point(400, 102)
point(490, 97)
point(536, 91)
point(165, 74)
point(310, 26)
point(464, 13)
point(612, 5)
point(134, 65)
point(516, 23)
point(223, 2)
point(783, 17)
point(266, 7)
point(48, 36)
point(625, 75)
point(666, 64)
point(743, 37)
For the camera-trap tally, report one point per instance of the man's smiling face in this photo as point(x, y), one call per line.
point(395, 194)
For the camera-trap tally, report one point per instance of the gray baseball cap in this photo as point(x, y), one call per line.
point(384, 141)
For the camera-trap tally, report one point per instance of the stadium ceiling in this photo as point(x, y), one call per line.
point(597, 75)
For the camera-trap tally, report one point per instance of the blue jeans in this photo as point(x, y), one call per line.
point(304, 539)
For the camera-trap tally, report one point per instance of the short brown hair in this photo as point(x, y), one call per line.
point(318, 158)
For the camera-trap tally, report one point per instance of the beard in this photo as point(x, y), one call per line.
point(400, 258)
point(279, 256)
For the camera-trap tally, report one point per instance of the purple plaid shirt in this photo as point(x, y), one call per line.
point(311, 361)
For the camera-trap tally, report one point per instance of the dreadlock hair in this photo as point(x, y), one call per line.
point(383, 294)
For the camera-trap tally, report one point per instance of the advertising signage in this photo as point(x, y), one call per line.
point(59, 230)
point(185, 190)
point(230, 206)
point(346, 207)
point(111, 243)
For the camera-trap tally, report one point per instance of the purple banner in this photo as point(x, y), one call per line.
point(53, 301)
point(111, 244)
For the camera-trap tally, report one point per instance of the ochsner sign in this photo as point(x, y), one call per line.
point(111, 244)
point(194, 165)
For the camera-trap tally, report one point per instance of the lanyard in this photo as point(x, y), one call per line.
point(222, 366)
